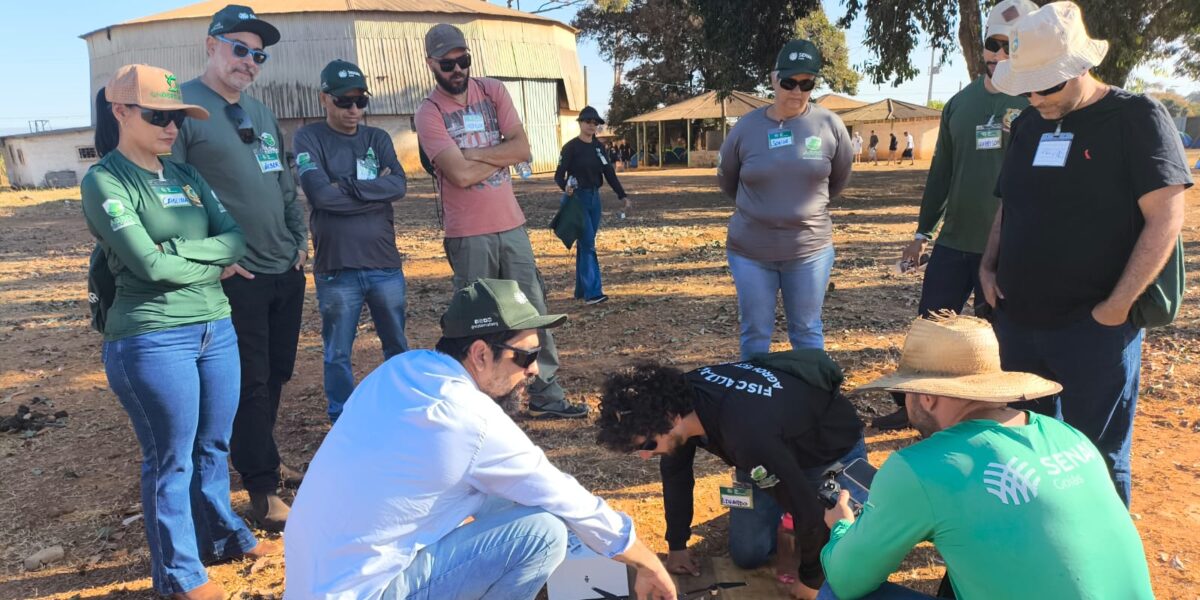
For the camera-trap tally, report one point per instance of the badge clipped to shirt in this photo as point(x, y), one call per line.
point(739, 495)
point(1053, 148)
point(169, 193)
point(268, 154)
point(472, 122)
point(368, 166)
point(600, 155)
point(989, 136)
point(778, 138)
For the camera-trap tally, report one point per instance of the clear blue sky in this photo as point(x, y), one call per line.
point(40, 41)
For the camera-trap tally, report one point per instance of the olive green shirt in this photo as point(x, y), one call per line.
point(166, 237)
point(252, 179)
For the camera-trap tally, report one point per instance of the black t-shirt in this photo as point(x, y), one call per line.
point(892, 145)
point(874, 140)
point(1069, 231)
point(588, 163)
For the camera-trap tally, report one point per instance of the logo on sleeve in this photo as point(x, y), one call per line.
point(304, 163)
point(113, 208)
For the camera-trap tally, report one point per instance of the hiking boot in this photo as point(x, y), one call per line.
point(204, 591)
point(290, 478)
point(264, 548)
point(896, 420)
point(268, 511)
point(559, 410)
point(596, 300)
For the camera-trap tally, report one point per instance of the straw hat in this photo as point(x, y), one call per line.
point(1047, 47)
point(149, 87)
point(958, 357)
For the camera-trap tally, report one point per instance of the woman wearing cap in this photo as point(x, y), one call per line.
point(781, 164)
point(585, 161)
point(170, 352)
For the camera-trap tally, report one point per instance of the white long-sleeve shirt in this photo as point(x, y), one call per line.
point(418, 450)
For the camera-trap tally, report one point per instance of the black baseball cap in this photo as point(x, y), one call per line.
point(341, 76)
point(589, 114)
point(492, 306)
point(797, 57)
point(235, 17)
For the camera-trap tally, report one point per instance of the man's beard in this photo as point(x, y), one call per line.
point(922, 421)
point(990, 67)
point(511, 402)
point(445, 82)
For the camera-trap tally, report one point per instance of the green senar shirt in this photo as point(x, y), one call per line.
point(132, 211)
point(253, 180)
point(962, 179)
point(1016, 512)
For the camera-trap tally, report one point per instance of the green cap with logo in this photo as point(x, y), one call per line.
point(798, 57)
point(341, 76)
point(235, 17)
point(492, 306)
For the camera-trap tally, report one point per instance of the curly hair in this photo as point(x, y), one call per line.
point(641, 400)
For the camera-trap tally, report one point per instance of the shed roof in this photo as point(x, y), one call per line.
point(838, 102)
point(704, 106)
point(47, 133)
point(889, 110)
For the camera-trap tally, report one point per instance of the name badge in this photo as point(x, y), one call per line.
point(779, 138)
point(600, 155)
point(268, 161)
point(1052, 150)
point(737, 497)
point(472, 122)
point(170, 193)
point(989, 137)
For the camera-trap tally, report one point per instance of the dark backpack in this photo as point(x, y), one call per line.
point(102, 288)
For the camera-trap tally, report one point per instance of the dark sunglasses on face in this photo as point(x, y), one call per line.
point(241, 122)
point(447, 64)
point(591, 122)
point(160, 118)
point(1048, 91)
point(650, 445)
point(348, 101)
point(241, 50)
point(805, 85)
point(522, 357)
point(995, 45)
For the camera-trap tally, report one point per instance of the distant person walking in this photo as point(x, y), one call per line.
point(893, 145)
point(909, 146)
point(873, 148)
point(856, 145)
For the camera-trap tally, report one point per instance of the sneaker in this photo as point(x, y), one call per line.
point(268, 511)
point(596, 300)
point(896, 420)
point(290, 478)
point(559, 410)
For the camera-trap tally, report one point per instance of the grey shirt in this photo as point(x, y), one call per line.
point(351, 219)
point(260, 194)
point(782, 193)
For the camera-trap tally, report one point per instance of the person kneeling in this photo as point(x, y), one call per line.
point(1019, 505)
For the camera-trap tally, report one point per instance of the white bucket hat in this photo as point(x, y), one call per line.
point(1002, 16)
point(959, 357)
point(1047, 47)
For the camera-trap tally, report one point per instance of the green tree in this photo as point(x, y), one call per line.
point(936, 104)
point(837, 74)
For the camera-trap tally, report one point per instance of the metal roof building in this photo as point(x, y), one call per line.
point(534, 56)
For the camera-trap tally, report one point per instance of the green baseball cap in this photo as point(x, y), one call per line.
point(492, 306)
point(341, 76)
point(235, 17)
point(797, 57)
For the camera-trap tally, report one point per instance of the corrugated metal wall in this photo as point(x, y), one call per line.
point(537, 103)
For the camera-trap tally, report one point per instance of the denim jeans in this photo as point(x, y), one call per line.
point(587, 266)
point(886, 591)
point(1099, 368)
point(507, 553)
point(802, 282)
point(340, 296)
point(180, 389)
point(752, 532)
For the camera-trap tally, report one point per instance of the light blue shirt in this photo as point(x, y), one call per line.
point(417, 451)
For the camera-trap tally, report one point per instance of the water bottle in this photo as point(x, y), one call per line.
point(524, 169)
point(572, 183)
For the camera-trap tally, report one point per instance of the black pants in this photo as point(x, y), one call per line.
point(266, 316)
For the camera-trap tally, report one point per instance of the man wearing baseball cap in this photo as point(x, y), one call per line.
point(470, 128)
point(1018, 505)
point(1091, 207)
point(425, 442)
point(958, 190)
point(240, 152)
point(351, 177)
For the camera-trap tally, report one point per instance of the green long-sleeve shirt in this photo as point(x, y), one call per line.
point(1016, 512)
point(966, 163)
point(252, 179)
point(132, 212)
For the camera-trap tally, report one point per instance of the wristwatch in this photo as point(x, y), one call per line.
point(921, 236)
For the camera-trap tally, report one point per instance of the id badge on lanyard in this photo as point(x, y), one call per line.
point(779, 138)
point(989, 136)
point(1053, 148)
point(170, 193)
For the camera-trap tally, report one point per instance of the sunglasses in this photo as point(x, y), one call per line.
point(1048, 91)
point(650, 445)
point(522, 357)
point(995, 45)
point(348, 101)
point(241, 50)
point(805, 85)
point(241, 122)
point(447, 64)
point(161, 118)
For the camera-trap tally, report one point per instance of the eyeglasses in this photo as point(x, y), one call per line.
point(241, 50)
point(241, 122)
point(1048, 91)
point(650, 445)
point(995, 45)
point(805, 85)
point(348, 101)
point(161, 118)
point(447, 64)
point(521, 356)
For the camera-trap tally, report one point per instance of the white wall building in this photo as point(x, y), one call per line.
point(56, 158)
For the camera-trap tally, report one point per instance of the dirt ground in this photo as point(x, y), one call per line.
point(75, 482)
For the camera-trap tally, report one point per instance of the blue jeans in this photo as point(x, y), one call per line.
point(886, 591)
point(587, 266)
point(340, 295)
point(507, 552)
point(180, 388)
point(752, 532)
point(1099, 368)
point(802, 282)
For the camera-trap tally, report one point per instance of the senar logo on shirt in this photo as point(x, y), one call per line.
point(304, 163)
point(268, 140)
point(1017, 482)
point(812, 148)
point(113, 208)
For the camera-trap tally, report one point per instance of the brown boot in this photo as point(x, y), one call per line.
point(268, 511)
point(265, 548)
point(207, 591)
point(290, 478)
